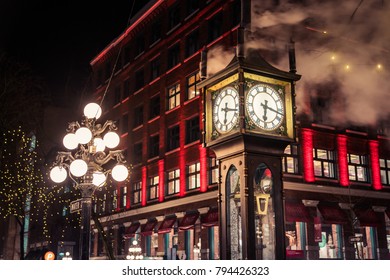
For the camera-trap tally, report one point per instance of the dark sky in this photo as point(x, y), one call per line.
point(59, 38)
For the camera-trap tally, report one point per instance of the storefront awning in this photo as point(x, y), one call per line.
point(167, 224)
point(332, 214)
point(148, 228)
point(131, 230)
point(211, 218)
point(188, 221)
point(368, 217)
point(296, 212)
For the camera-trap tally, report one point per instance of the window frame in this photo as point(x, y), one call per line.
point(385, 171)
point(175, 180)
point(193, 174)
point(136, 190)
point(153, 184)
point(192, 85)
point(362, 165)
point(173, 96)
point(192, 130)
point(173, 137)
point(326, 164)
point(292, 155)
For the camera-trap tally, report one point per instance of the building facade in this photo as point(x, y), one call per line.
point(335, 181)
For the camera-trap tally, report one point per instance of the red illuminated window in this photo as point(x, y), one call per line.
point(137, 187)
point(192, 43)
point(173, 96)
point(173, 186)
point(385, 171)
point(154, 107)
point(358, 168)
point(193, 176)
point(192, 80)
point(324, 163)
point(290, 159)
point(192, 130)
point(153, 188)
point(214, 171)
point(173, 137)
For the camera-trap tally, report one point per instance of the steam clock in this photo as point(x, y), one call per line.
point(248, 122)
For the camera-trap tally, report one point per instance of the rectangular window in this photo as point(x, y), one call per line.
point(214, 171)
point(192, 43)
point(192, 90)
point(324, 163)
point(156, 31)
point(139, 79)
point(154, 68)
point(155, 106)
point(137, 188)
point(192, 130)
point(126, 88)
point(290, 159)
point(103, 204)
point(125, 123)
point(140, 45)
point(117, 95)
point(173, 182)
point(174, 16)
point(358, 168)
point(124, 197)
point(194, 176)
point(215, 27)
point(173, 136)
point(385, 171)
point(153, 188)
point(192, 6)
point(174, 96)
point(137, 153)
point(154, 145)
point(138, 116)
point(173, 56)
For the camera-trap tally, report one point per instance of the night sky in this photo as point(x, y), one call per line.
point(58, 39)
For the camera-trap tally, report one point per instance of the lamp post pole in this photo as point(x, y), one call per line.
point(86, 165)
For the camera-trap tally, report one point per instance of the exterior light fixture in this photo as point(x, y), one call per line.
point(88, 162)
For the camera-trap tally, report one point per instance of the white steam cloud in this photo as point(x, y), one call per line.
point(342, 52)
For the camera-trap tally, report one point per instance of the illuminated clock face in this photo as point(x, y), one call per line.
point(265, 107)
point(225, 110)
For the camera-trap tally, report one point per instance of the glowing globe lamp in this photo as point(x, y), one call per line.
point(78, 168)
point(98, 178)
point(111, 139)
point(58, 174)
point(119, 173)
point(99, 144)
point(84, 135)
point(70, 141)
point(92, 110)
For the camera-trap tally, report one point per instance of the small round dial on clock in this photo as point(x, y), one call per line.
point(225, 110)
point(265, 107)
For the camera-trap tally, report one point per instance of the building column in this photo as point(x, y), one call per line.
point(312, 248)
point(382, 250)
point(348, 248)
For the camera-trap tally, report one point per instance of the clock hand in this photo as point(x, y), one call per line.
point(265, 107)
point(226, 110)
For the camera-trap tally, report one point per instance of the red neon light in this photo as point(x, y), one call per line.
point(128, 30)
point(143, 187)
point(375, 167)
point(342, 159)
point(182, 157)
point(203, 168)
point(128, 200)
point(161, 180)
point(307, 149)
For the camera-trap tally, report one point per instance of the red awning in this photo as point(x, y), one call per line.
point(368, 217)
point(148, 228)
point(211, 218)
point(131, 230)
point(188, 221)
point(167, 224)
point(296, 212)
point(332, 215)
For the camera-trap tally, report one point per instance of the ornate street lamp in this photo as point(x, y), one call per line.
point(86, 162)
point(135, 251)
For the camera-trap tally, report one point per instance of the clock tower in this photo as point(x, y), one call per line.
point(249, 117)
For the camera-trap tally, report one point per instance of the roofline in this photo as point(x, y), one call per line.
point(142, 14)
